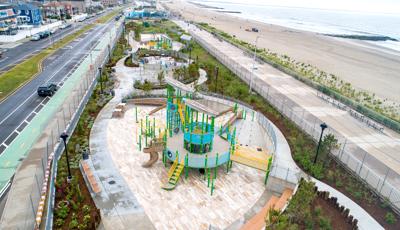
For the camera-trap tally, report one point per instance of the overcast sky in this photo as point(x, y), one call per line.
point(375, 6)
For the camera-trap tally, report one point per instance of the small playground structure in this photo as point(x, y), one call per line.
point(155, 42)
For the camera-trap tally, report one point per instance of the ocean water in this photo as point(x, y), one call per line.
point(317, 20)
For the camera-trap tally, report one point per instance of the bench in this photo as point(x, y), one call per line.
point(277, 203)
point(258, 220)
point(90, 177)
point(117, 113)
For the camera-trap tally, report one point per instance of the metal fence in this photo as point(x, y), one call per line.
point(64, 119)
point(356, 160)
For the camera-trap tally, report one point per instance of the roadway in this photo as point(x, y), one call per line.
point(19, 108)
point(27, 49)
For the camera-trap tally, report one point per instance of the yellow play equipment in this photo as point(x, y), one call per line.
point(173, 174)
point(181, 113)
point(252, 157)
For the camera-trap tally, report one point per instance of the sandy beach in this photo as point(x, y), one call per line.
point(364, 65)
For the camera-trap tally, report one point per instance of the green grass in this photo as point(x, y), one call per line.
point(28, 69)
point(109, 16)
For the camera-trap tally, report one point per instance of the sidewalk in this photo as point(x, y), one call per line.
point(119, 207)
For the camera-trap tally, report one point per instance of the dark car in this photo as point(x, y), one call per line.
point(44, 34)
point(47, 90)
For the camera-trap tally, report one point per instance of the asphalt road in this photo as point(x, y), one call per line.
point(19, 53)
point(19, 109)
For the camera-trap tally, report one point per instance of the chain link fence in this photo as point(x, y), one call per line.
point(355, 159)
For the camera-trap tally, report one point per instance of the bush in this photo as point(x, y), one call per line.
point(59, 222)
point(390, 218)
point(324, 223)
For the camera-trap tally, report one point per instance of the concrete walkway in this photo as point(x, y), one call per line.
point(119, 207)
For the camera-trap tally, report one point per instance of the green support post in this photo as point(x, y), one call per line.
point(140, 142)
point(186, 166)
point(212, 186)
point(154, 127)
point(145, 139)
point(268, 170)
point(205, 166)
point(208, 178)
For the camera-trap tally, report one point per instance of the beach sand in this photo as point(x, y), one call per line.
point(364, 65)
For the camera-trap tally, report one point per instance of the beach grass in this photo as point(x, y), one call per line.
point(330, 84)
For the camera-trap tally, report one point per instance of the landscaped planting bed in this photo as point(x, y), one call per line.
point(74, 207)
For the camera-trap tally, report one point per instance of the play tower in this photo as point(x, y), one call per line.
point(192, 140)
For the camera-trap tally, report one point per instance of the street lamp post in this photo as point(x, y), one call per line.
point(101, 79)
point(64, 136)
point(323, 127)
point(254, 64)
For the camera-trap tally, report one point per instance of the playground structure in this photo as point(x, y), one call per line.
point(191, 140)
point(155, 42)
point(189, 160)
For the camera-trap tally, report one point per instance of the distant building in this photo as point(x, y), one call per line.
point(30, 12)
point(8, 18)
point(57, 10)
point(109, 3)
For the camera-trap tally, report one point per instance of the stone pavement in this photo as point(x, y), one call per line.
point(119, 207)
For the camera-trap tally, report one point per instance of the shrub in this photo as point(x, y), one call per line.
point(317, 211)
point(390, 218)
point(59, 222)
point(324, 223)
point(73, 224)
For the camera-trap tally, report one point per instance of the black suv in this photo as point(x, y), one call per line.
point(47, 90)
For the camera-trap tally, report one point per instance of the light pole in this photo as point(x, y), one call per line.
point(254, 64)
point(64, 136)
point(323, 127)
point(101, 80)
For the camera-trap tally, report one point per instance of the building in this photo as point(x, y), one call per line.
point(30, 12)
point(109, 3)
point(59, 10)
point(8, 18)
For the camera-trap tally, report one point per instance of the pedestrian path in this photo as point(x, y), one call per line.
point(119, 207)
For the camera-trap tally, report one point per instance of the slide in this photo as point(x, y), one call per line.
point(231, 121)
point(155, 147)
point(181, 114)
point(157, 109)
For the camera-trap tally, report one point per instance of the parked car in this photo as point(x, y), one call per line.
point(254, 30)
point(47, 90)
point(35, 37)
point(53, 30)
point(44, 34)
point(66, 25)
